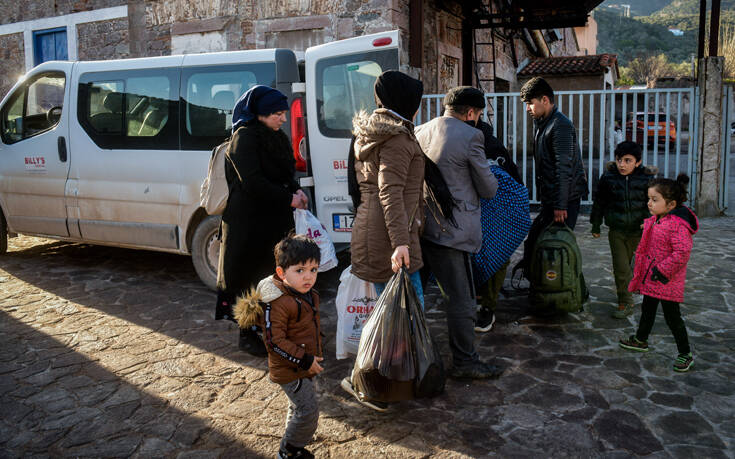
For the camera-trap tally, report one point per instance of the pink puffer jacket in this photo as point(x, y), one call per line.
point(662, 255)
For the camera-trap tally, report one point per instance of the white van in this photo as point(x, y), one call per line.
point(114, 152)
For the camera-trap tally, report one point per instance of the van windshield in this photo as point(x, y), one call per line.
point(345, 86)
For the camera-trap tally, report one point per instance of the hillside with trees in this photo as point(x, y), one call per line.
point(644, 41)
point(631, 37)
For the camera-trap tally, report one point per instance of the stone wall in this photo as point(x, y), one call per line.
point(38, 9)
point(12, 55)
point(103, 40)
point(163, 27)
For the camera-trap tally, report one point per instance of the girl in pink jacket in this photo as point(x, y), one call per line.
point(661, 265)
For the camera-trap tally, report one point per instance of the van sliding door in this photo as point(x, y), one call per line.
point(127, 172)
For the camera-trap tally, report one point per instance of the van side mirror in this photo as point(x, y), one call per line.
point(53, 115)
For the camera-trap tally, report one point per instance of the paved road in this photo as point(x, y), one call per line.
point(113, 352)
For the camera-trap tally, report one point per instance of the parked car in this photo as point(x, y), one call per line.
point(650, 128)
point(115, 152)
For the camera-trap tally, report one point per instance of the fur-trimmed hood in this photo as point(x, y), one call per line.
point(247, 310)
point(611, 166)
point(372, 129)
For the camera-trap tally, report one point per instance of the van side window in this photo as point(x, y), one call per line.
point(345, 86)
point(35, 107)
point(136, 109)
point(208, 96)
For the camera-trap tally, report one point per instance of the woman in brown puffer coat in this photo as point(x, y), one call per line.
point(389, 166)
point(389, 171)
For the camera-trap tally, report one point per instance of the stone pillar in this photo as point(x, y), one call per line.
point(709, 139)
point(137, 28)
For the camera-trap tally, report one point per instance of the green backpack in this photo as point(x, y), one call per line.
point(557, 283)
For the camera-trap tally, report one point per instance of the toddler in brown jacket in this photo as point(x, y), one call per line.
point(286, 306)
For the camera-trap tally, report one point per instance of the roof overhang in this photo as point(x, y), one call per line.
point(529, 14)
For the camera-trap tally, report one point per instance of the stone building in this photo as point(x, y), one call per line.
point(437, 42)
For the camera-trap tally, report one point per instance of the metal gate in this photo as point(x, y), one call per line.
point(663, 121)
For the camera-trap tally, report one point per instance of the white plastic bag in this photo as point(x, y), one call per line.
point(355, 300)
point(307, 223)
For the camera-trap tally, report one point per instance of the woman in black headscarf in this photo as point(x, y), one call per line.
point(259, 168)
point(389, 167)
point(389, 171)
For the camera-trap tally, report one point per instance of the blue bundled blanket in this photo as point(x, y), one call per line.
point(505, 223)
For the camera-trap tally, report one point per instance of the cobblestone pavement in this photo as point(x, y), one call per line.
point(112, 352)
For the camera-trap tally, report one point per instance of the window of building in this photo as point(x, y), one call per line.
point(34, 107)
point(345, 86)
point(136, 109)
point(208, 98)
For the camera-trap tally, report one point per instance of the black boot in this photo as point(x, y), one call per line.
point(223, 309)
point(251, 342)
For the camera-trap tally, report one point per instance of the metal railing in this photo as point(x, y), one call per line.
point(661, 120)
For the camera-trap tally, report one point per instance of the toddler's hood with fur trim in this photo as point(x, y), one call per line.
point(247, 310)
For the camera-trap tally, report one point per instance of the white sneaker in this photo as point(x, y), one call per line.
point(346, 384)
point(485, 320)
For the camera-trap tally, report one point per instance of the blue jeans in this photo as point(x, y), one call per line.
point(415, 280)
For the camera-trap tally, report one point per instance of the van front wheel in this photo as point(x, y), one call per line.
point(205, 250)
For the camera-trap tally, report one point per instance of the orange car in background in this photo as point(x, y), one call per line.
point(662, 132)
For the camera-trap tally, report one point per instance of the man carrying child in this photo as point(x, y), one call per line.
point(621, 200)
point(287, 308)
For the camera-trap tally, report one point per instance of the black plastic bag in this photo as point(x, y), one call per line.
point(397, 359)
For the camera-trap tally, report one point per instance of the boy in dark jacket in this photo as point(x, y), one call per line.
point(287, 308)
point(622, 201)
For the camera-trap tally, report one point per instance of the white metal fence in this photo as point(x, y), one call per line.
point(663, 121)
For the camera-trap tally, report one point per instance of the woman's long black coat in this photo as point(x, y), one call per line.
point(260, 172)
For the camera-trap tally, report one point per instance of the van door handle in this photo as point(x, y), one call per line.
point(62, 149)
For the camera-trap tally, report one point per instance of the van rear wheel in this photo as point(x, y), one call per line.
point(205, 250)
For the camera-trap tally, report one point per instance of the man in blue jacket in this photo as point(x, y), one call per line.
point(560, 180)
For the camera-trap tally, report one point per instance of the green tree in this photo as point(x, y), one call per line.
point(648, 69)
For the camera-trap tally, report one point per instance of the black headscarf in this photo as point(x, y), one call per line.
point(399, 92)
point(395, 91)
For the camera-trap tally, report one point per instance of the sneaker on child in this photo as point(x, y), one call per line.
point(633, 344)
point(623, 311)
point(293, 452)
point(683, 362)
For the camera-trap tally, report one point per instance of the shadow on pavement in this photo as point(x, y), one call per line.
point(59, 402)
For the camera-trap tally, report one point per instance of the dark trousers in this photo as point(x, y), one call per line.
point(622, 249)
point(672, 314)
point(544, 219)
point(453, 270)
point(491, 290)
